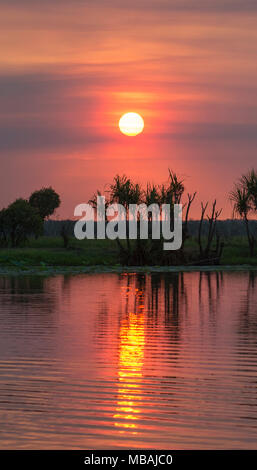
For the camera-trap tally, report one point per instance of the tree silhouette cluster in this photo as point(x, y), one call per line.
point(23, 217)
point(125, 192)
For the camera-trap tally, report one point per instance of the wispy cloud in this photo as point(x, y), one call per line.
point(170, 5)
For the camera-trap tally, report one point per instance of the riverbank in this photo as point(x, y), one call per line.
point(74, 270)
point(47, 254)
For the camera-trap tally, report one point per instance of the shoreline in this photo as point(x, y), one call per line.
point(100, 269)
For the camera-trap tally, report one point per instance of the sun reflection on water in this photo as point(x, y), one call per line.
point(130, 369)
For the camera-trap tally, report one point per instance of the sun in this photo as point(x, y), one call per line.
point(131, 124)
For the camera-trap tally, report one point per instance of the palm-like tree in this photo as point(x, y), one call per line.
point(176, 188)
point(124, 191)
point(241, 200)
point(101, 208)
point(241, 204)
point(249, 183)
point(151, 196)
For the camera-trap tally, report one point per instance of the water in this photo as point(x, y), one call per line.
point(129, 361)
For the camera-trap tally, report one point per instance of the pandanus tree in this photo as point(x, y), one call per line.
point(244, 200)
point(241, 206)
point(99, 204)
point(249, 183)
point(127, 193)
point(172, 192)
point(123, 191)
point(175, 188)
point(151, 196)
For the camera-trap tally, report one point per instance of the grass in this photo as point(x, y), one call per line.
point(235, 252)
point(49, 251)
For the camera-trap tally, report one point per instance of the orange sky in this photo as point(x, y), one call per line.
point(69, 70)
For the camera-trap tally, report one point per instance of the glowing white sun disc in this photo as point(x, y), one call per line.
point(131, 124)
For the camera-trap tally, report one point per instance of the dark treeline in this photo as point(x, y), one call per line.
point(202, 242)
point(226, 228)
point(125, 192)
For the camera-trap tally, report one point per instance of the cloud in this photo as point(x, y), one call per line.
point(61, 109)
point(48, 111)
point(213, 131)
point(167, 5)
point(41, 137)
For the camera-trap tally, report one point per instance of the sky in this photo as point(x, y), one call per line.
point(70, 69)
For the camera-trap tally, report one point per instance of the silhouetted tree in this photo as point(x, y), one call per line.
point(148, 251)
point(207, 255)
point(187, 206)
point(100, 207)
point(124, 191)
point(20, 220)
point(45, 201)
point(244, 199)
point(249, 183)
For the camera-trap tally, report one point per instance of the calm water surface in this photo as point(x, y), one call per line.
point(129, 361)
